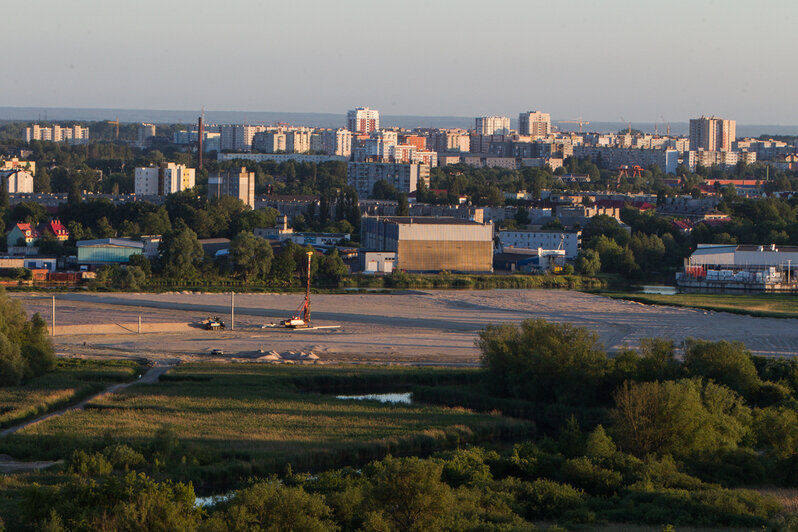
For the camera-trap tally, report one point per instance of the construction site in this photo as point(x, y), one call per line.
point(404, 327)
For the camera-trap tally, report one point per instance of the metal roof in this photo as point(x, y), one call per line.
point(117, 242)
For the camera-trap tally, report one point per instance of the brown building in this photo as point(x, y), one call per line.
point(431, 244)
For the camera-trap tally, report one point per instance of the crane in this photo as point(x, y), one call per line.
point(630, 124)
point(116, 123)
point(577, 121)
point(668, 125)
point(301, 318)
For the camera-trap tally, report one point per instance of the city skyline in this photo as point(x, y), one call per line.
point(661, 64)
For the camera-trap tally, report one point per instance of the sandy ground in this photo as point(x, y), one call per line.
point(425, 327)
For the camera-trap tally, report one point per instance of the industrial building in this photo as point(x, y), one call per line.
point(768, 268)
point(430, 244)
point(93, 253)
point(545, 239)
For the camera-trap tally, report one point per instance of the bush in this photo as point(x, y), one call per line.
point(584, 474)
point(724, 362)
point(546, 499)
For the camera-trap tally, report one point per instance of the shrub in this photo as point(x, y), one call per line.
point(546, 499)
point(582, 473)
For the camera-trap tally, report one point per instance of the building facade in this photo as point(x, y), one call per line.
point(493, 125)
point(534, 124)
point(363, 120)
point(546, 239)
point(72, 135)
point(431, 244)
point(712, 134)
point(405, 177)
point(17, 181)
point(239, 184)
point(162, 180)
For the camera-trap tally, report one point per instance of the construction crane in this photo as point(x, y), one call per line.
point(116, 123)
point(629, 123)
point(577, 121)
point(629, 171)
point(668, 125)
point(301, 318)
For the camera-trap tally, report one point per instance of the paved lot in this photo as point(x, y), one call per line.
point(435, 326)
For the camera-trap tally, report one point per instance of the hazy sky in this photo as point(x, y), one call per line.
point(603, 60)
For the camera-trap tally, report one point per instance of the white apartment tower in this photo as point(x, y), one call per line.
point(162, 180)
point(712, 134)
point(363, 120)
point(534, 124)
point(493, 125)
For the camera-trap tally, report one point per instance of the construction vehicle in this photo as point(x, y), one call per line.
point(301, 318)
point(213, 324)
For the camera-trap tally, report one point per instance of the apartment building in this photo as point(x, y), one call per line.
point(236, 183)
point(363, 120)
point(493, 125)
point(71, 135)
point(17, 181)
point(534, 124)
point(362, 176)
point(167, 178)
point(238, 137)
point(613, 158)
point(712, 134)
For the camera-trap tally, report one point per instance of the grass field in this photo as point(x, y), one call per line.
point(761, 305)
point(234, 420)
point(72, 380)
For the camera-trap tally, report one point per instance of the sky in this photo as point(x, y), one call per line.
point(603, 60)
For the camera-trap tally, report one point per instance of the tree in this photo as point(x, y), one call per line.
point(41, 181)
point(251, 256)
point(408, 494)
point(403, 209)
point(724, 362)
point(678, 417)
point(25, 347)
point(181, 253)
point(331, 266)
point(588, 262)
point(270, 505)
point(384, 190)
point(543, 361)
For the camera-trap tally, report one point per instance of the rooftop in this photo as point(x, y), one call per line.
point(428, 220)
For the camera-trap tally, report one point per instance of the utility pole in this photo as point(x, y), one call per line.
point(52, 332)
point(232, 311)
point(139, 324)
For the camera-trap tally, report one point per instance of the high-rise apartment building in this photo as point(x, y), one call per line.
point(363, 120)
point(405, 177)
point(240, 184)
point(73, 135)
point(534, 124)
point(712, 134)
point(167, 178)
point(238, 137)
point(493, 125)
point(145, 131)
point(337, 142)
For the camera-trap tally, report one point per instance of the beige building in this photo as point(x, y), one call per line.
point(17, 181)
point(431, 244)
point(534, 124)
point(73, 135)
point(14, 163)
point(724, 159)
point(240, 184)
point(712, 134)
point(162, 180)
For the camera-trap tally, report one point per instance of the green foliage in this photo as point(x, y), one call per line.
point(180, 253)
point(588, 262)
point(25, 347)
point(678, 417)
point(251, 256)
point(543, 361)
point(724, 362)
point(547, 499)
point(270, 505)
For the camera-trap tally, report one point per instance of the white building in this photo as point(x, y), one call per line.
point(17, 181)
point(238, 137)
point(162, 180)
point(545, 239)
point(613, 158)
point(493, 125)
point(72, 135)
point(534, 124)
point(712, 133)
point(145, 131)
point(337, 142)
point(363, 120)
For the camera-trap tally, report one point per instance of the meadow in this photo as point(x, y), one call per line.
point(71, 381)
point(760, 305)
point(224, 422)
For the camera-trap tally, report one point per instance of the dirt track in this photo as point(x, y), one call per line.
point(435, 326)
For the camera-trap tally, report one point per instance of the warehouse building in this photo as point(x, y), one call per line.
point(429, 244)
point(769, 268)
point(95, 253)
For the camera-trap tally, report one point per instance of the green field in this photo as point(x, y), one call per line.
point(232, 420)
point(761, 305)
point(72, 380)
